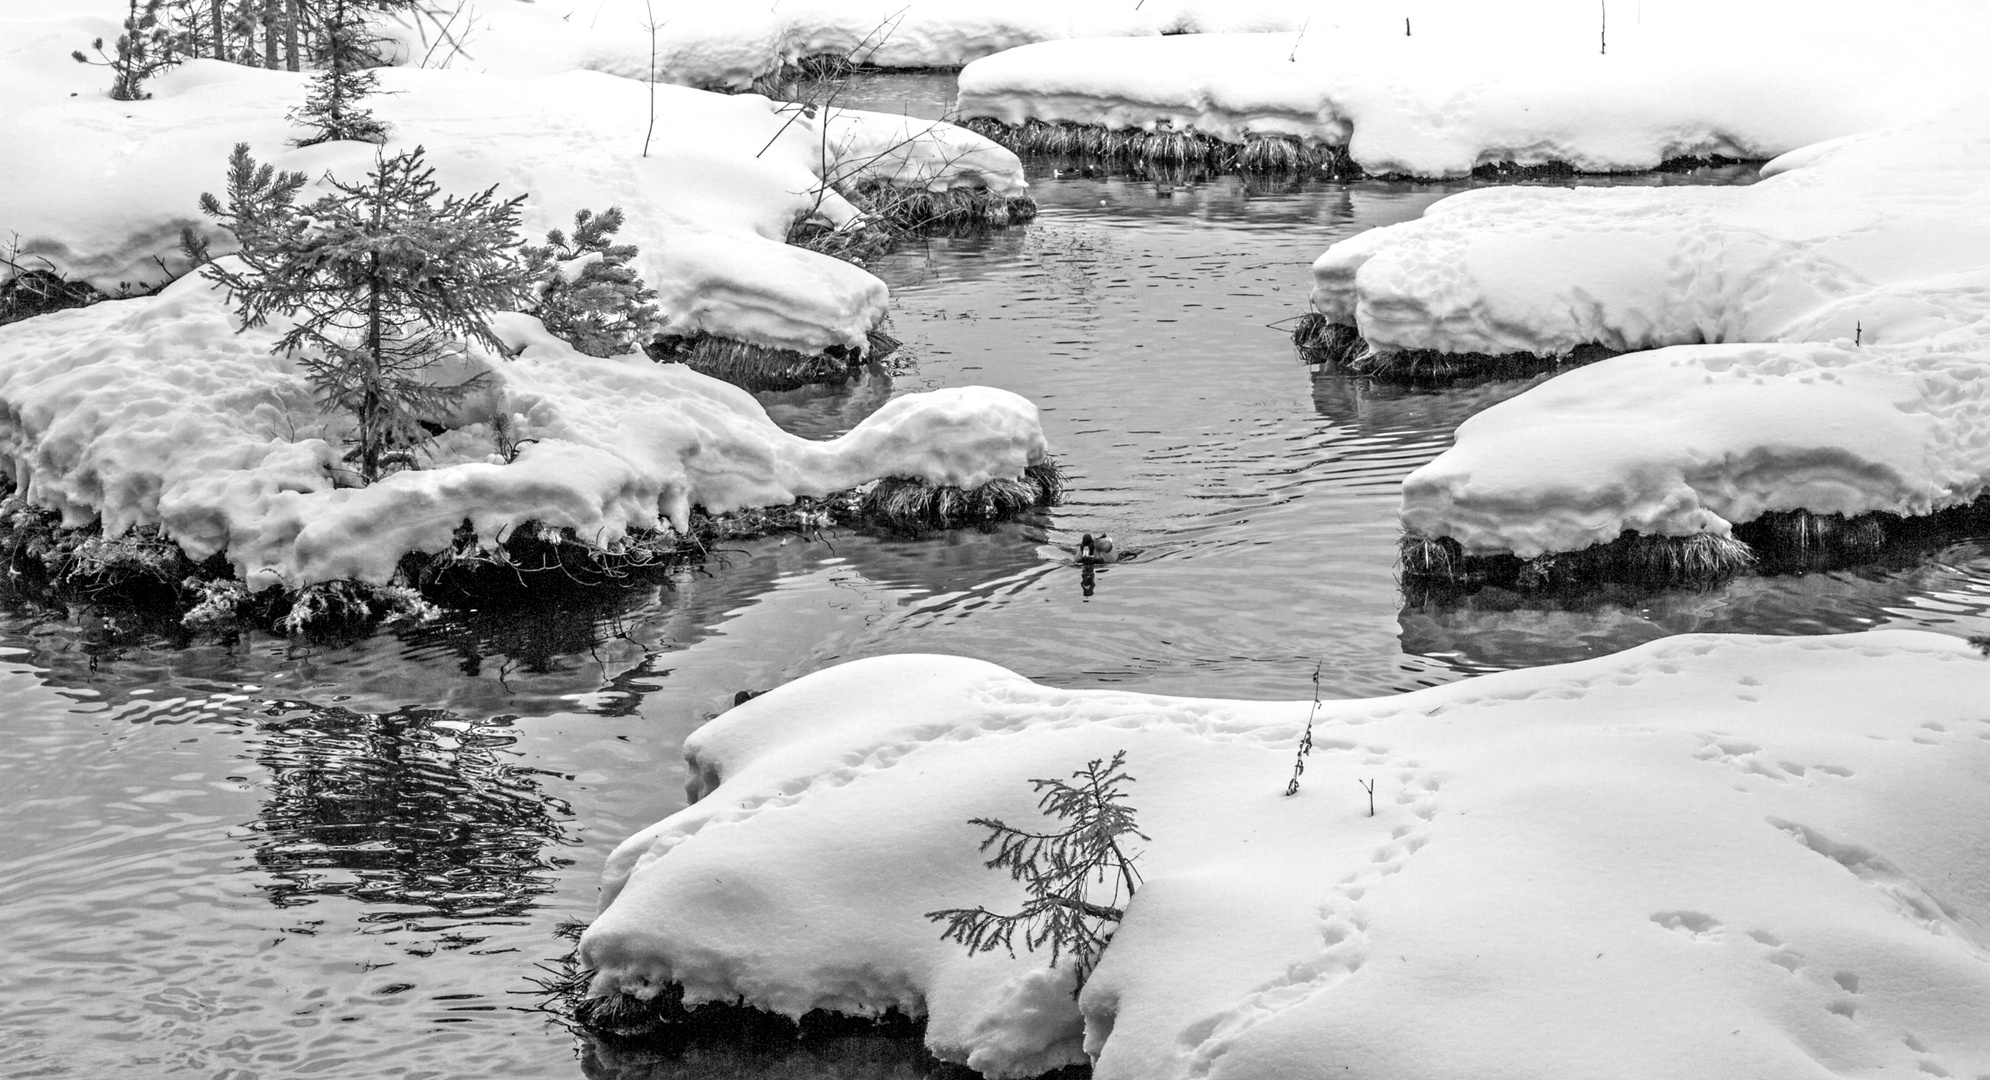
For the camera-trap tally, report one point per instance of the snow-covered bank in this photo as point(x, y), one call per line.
point(701, 45)
point(101, 188)
point(156, 412)
point(1711, 856)
point(1693, 440)
point(1828, 328)
point(1873, 237)
point(1476, 84)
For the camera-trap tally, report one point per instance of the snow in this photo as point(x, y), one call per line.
point(1477, 83)
point(156, 411)
point(703, 45)
point(1880, 233)
point(1696, 439)
point(1829, 331)
point(1739, 857)
point(101, 188)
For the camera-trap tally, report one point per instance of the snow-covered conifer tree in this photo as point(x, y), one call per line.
point(383, 279)
point(333, 111)
point(590, 296)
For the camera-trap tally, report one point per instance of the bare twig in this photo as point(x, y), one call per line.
point(1306, 740)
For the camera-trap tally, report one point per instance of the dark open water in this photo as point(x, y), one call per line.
point(268, 860)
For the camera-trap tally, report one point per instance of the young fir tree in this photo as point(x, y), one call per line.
point(1060, 870)
point(603, 309)
point(332, 111)
point(144, 49)
point(382, 280)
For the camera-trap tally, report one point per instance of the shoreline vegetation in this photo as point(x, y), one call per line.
point(1323, 342)
point(1166, 147)
point(621, 1027)
point(146, 575)
point(1781, 542)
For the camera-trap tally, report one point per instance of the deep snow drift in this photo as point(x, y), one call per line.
point(1852, 285)
point(101, 188)
point(1476, 83)
point(706, 45)
point(1720, 857)
point(156, 411)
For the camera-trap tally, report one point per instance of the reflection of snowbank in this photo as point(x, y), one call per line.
point(101, 188)
point(1717, 857)
point(1857, 268)
point(1482, 83)
point(155, 411)
point(707, 45)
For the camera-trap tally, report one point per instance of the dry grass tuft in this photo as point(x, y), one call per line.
point(1644, 562)
point(1323, 342)
point(904, 507)
point(757, 367)
point(956, 211)
point(1164, 147)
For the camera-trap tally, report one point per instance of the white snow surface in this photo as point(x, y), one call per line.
point(1720, 857)
point(101, 188)
point(1829, 331)
point(156, 411)
point(1530, 83)
point(706, 45)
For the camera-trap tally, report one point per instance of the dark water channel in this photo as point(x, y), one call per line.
point(260, 859)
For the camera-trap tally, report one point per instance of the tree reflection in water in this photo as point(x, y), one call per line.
point(413, 810)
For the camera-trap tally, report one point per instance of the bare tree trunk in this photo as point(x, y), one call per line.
point(220, 37)
point(271, 13)
point(290, 19)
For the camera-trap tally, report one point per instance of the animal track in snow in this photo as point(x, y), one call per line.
point(1907, 897)
point(1694, 924)
point(1738, 754)
point(1343, 933)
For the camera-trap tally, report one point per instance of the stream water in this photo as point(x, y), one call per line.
point(262, 859)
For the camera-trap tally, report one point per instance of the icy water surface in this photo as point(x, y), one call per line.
point(257, 859)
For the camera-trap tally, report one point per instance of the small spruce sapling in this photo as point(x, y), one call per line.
point(589, 295)
point(1059, 870)
point(383, 279)
point(332, 111)
point(142, 51)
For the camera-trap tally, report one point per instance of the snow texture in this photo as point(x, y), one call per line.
point(100, 188)
point(156, 411)
point(1722, 857)
point(705, 45)
point(1475, 83)
point(1844, 307)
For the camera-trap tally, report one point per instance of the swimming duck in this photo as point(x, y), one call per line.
point(1097, 550)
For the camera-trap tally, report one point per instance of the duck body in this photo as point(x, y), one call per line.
point(1094, 550)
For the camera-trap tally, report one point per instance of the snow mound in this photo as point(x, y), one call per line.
point(1849, 292)
point(101, 188)
point(701, 45)
point(1723, 857)
point(157, 411)
point(1878, 236)
point(1476, 83)
point(1696, 439)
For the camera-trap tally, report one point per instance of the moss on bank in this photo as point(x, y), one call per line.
point(1787, 542)
point(150, 580)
